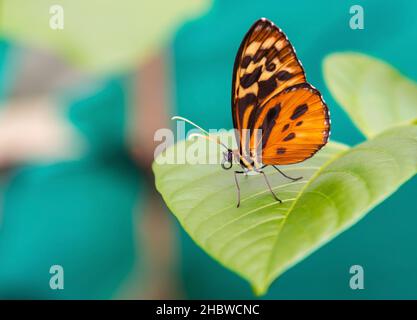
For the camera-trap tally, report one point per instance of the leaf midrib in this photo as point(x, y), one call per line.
point(282, 225)
point(302, 191)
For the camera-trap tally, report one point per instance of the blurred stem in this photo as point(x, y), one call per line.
point(150, 113)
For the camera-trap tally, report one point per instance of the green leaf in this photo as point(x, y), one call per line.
point(374, 94)
point(262, 238)
point(98, 36)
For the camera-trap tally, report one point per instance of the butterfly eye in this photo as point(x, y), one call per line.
point(227, 160)
point(226, 165)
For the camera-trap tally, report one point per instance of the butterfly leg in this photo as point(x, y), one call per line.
point(269, 186)
point(238, 188)
point(288, 177)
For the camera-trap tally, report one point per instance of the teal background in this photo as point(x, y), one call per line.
point(80, 213)
point(384, 242)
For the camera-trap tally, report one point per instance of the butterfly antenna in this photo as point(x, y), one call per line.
point(206, 136)
point(190, 122)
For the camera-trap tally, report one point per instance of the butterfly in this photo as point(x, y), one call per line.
point(279, 118)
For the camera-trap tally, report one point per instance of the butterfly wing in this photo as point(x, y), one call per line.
point(265, 64)
point(295, 124)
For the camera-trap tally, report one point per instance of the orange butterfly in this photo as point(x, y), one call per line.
point(279, 118)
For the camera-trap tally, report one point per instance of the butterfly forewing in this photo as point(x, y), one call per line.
point(270, 93)
point(265, 64)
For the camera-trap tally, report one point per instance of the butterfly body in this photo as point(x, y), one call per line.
point(279, 117)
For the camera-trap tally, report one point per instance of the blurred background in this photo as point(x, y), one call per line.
point(80, 100)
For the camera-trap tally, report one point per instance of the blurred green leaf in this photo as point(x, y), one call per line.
point(374, 94)
point(98, 35)
point(262, 238)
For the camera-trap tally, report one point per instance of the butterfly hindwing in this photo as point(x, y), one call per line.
point(265, 64)
point(295, 125)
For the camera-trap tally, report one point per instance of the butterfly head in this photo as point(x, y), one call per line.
point(227, 162)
